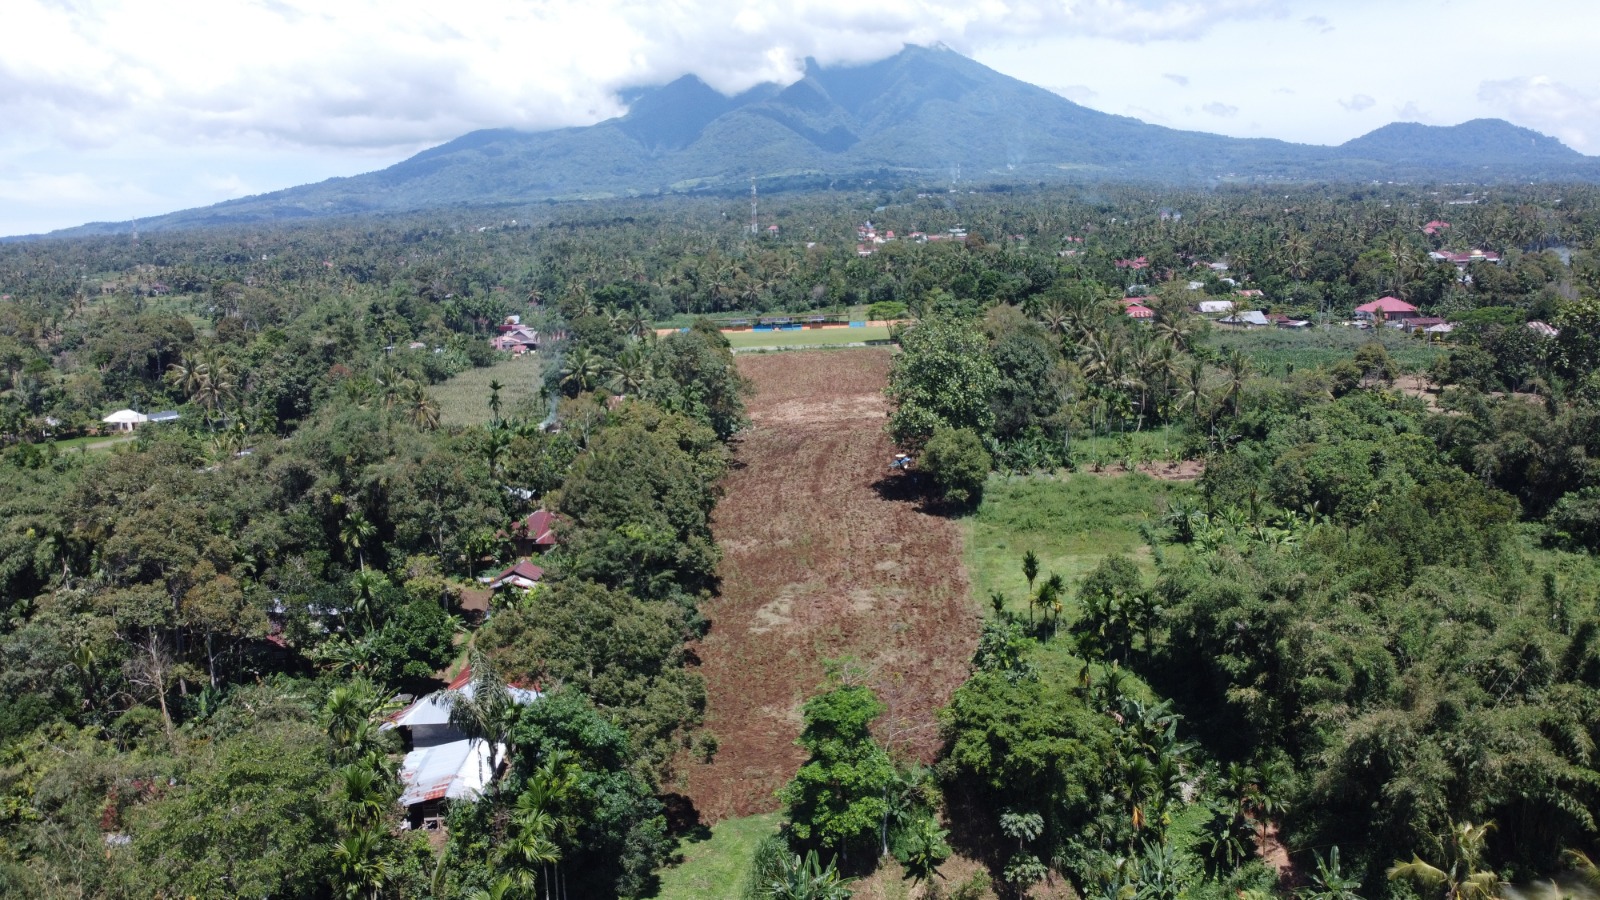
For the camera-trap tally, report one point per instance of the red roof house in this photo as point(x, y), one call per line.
point(535, 533)
point(1385, 308)
point(523, 575)
point(1135, 311)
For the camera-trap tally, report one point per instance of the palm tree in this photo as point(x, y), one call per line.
point(349, 710)
point(1238, 368)
point(1194, 397)
point(485, 712)
point(421, 408)
point(1466, 876)
point(1030, 568)
point(360, 868)
point(630, 371)
point(355, 533)
point(581, 371)
point(363, 796)
point(495, 387)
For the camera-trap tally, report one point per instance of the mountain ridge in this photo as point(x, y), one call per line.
point(922, 115)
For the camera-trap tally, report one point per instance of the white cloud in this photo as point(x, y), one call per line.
point(1411, 112)
point(1080, 94)
point(1358, 102)
point(1319, 24)
point(1180, 80)
point(405, 73)
point(1221, 110)
point(1550, 106)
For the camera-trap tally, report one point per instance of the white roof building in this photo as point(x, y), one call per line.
point(442, 762)
point(126, 417)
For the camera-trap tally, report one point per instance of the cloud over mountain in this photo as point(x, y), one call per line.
point(402, 73)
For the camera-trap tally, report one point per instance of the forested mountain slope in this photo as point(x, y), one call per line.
point(923, 116)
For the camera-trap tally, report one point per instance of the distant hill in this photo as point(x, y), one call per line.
point(923, 114)
point(1480, 142)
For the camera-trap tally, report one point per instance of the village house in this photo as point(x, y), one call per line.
point(518, 340)
point(534, 533)
point(1250, 318)
point(1385, 309)
point(522, 574)
point(1462, 260)
point(442, 763)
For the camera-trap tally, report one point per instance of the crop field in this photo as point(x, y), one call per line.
point(1275, 350)
point(824, 561)
point(464, 399)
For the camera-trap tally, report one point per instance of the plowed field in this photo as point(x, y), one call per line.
point(821, 562)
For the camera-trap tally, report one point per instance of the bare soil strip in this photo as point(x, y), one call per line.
point(821, 562)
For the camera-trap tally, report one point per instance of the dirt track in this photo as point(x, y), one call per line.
point(819, 565)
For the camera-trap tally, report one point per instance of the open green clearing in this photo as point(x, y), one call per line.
point(1072, 522)
point(808, 337)
point(464, 398)
point(714, 868)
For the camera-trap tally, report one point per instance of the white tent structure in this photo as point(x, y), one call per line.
point(125, 420)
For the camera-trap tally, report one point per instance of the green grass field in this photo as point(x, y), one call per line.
point(1071, 522)
point(714, 868)
point(810, 337)
point(464, 399)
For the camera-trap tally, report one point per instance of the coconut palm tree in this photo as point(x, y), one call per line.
point(421, 408)
point(581, 371)
point(630, 371)
point(1465, 875)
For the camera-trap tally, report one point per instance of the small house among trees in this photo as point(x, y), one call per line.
point(535, 533)
point(442, 762)
point(1385, 309)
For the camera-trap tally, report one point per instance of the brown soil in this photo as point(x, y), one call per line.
point(822, 562)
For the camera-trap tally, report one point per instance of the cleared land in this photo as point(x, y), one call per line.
point(822, 562)
point(716, 864)
point(464, 399)
point(1071, 523)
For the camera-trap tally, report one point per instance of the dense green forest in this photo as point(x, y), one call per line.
point(1371, 626)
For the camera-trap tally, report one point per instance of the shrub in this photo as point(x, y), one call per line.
point(957, 462)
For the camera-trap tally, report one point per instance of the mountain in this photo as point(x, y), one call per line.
point(1480, 142)
point(922, 115)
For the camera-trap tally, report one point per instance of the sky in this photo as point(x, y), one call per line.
point(116, 109)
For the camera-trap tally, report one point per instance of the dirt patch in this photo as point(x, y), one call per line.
point(819, 565)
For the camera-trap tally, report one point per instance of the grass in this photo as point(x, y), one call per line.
point(1165, 442)
point(806, 337)
point(714, 868)
point(1276, 349)
point(464, 399)
point(1071, 522)
point(91, 443)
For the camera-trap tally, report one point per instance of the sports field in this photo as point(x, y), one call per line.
point(808, 337)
